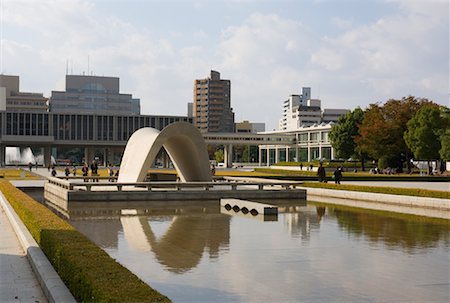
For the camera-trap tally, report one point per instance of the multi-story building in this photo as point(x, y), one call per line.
point(93, 95)
point(301, 111)
point(212, 110)
point(12, 99)
point(310, 143)
point(249, 127)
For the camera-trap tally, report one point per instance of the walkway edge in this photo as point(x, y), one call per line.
point(424, 202)
point(53, 287)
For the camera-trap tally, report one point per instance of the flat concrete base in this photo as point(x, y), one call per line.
point(64, 199)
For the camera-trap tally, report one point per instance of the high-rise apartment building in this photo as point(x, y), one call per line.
point(212, 105)
point(12, 99)
point(300, 111)
point(93, 95)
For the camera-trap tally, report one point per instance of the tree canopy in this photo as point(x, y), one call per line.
point(342, 135)
point(381, 131)
point(425, 131)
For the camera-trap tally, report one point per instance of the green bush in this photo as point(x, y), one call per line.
point(417, 192)
point(90, 273)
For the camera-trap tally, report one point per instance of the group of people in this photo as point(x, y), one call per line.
point(337, 174)
point(93, 167)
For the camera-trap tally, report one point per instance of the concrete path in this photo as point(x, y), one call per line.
point(18, 283)
point(445, 186)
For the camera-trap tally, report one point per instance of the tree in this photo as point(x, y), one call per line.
point(444, 152)
point(218, 156)
point(445, 145)
point(424, 131)
point(342, 135)
point(381, 131)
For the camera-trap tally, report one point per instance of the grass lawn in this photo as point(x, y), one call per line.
point(17, 174)
point(417, 192)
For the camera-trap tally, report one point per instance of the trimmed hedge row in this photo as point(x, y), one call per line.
point(331, 164)
point(89, 272)
point(417, 192)
point(283, 174)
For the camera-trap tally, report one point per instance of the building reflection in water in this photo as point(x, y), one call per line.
point(300, 221)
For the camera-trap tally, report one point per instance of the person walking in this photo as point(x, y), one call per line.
point(67, 171)
point(94, 170)
point(53, 171)
point(301, 166)
point(321, 173)
point(110, 172)
point(85, 171)
point(337, 175)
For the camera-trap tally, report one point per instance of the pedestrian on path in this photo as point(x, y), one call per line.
point(337, 175)
point(321, 173)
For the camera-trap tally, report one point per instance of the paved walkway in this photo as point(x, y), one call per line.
point(445, 186)
point(18, 282)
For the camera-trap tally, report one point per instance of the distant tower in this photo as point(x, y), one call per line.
point(212, 104)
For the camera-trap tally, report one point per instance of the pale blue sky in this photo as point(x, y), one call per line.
point(351, 53)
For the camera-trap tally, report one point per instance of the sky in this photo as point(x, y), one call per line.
point(350, 52)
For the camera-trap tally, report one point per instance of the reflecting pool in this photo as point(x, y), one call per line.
point(313, 253)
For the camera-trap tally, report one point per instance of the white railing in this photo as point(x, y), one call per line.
point(80, 184)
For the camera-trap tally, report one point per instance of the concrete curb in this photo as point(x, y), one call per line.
point(52, 285)
point(423, 202)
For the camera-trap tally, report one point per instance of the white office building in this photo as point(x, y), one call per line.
point(309, 126)
point(301, 111)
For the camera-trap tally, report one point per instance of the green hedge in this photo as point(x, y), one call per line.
point(330, 164)
point(90, 273)
point(295, 175)
point(417, 192)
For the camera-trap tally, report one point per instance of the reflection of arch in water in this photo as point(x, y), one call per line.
point(181, 247)
point(182, 141)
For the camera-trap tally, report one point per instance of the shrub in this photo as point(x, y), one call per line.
point(89, 272)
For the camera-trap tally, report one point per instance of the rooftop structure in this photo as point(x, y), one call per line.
point(249, 127)
point(12, 99)
point(93, 95)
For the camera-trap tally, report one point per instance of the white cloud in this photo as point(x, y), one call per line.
point(394, 54)
point(342, 23)
point(266, 56)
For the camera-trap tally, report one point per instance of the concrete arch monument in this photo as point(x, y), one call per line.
point(182, 141)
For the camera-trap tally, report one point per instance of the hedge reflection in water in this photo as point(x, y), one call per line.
point(407, 232)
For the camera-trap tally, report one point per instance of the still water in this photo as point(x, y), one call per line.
point(313, 253)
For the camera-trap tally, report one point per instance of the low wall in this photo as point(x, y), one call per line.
point(409, 201)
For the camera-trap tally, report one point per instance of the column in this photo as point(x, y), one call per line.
point(268, 156)
point(287, 154)
point(332, 153)
point(47, 156)
point(2, 155)
point(228, 155)
point(259, 156)
point(105, 157)
point(296, 154)
point(309, 153)
point(276, 154)
point(110, 155)
point(165, 159)
point(88, 155)
point(320, 152)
